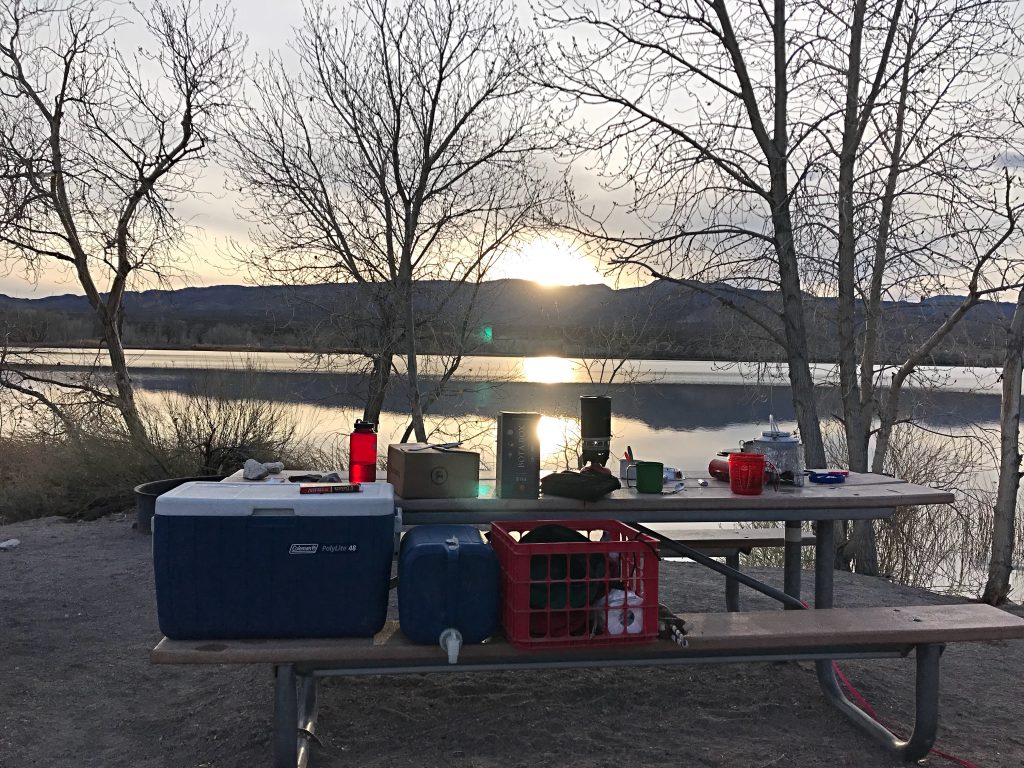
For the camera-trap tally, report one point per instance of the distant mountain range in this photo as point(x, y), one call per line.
point(661, 319)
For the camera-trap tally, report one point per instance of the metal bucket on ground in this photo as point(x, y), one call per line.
point(146, 493)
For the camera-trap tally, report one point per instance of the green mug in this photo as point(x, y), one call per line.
point(649, 476)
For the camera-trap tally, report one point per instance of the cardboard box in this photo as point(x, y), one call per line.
point(421, 472)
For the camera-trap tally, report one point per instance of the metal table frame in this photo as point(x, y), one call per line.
point(295, 697)
point(926, 720)
point(296, 686)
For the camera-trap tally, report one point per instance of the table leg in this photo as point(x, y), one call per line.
point(792, 559)
point(307, 717)
point(732, 586)
point(824, 562)
point(286, 717)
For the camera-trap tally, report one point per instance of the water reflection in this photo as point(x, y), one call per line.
point(559, 441)
point(548, 370)
point(662, 406)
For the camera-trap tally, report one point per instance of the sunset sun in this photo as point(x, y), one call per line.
point(551, 261)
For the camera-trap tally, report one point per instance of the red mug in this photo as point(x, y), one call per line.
point(746, 473)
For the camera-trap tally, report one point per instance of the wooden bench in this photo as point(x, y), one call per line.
point(815, 635)
point(729, 543)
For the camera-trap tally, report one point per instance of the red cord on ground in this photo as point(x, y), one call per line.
point(863, 703)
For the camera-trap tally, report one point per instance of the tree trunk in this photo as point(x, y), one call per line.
point(797, 354)
point(873, 310)
point(122, 380)
point(137, 431)
point(378, 387)
point(847, 255)
point(415, 402)
point(998, 586)
point(860, 548)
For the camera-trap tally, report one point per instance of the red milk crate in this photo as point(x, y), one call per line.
point(599, 590)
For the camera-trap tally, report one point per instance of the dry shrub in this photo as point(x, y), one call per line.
point(218, 425)
point(943, 547)
point(48, 472)
point(47, 469)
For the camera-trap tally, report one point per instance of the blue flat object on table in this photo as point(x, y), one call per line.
point(827, 478)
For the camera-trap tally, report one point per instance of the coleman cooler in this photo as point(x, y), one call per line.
point(448, 586)
point(240, 560)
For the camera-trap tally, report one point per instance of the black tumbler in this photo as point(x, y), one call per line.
point(596, 426)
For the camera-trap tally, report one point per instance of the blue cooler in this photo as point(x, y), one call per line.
point(240, 560)
point(448, 586)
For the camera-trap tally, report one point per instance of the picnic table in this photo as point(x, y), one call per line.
point(821, 635)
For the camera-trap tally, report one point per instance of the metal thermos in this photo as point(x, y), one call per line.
point(362, 452)
point(596, 427)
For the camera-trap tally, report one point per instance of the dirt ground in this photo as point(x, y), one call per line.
point(77, 621)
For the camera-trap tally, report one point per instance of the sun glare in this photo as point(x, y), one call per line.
point(558, 437)
point(551, 261)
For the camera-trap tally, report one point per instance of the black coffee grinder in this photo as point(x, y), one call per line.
point(596, 426)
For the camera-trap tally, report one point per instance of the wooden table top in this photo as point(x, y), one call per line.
point(862, 496)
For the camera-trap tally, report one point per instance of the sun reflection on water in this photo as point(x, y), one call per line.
point(548, 370)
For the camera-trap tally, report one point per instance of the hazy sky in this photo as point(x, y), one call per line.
point(269, 27)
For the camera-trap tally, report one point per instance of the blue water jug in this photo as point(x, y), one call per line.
point(448, 586)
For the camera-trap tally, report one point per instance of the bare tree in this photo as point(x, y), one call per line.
point(398, 153)
point(1004, 521)
point(846, 151)
point(694, 124)
point(927, 211)
point(98, 145)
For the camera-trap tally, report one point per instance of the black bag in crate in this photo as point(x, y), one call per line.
point(586, 486)
point(577, 593)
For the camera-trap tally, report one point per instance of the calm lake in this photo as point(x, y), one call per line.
point(680, 412)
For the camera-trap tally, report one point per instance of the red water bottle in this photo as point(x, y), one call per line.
point(362, 452)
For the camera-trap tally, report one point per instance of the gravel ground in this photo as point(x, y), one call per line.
point(77, 621)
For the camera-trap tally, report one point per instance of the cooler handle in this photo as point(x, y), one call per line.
point(398, 532)
point(271, 511)
point(451, 580)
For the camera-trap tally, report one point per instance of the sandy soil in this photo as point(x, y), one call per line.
point(77, 620)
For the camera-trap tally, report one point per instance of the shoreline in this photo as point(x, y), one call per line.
point(96, 345)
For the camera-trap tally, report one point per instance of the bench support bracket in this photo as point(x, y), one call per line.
point(734, 577)
point(926, 721)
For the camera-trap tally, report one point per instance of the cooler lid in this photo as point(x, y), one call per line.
point(225, 499)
